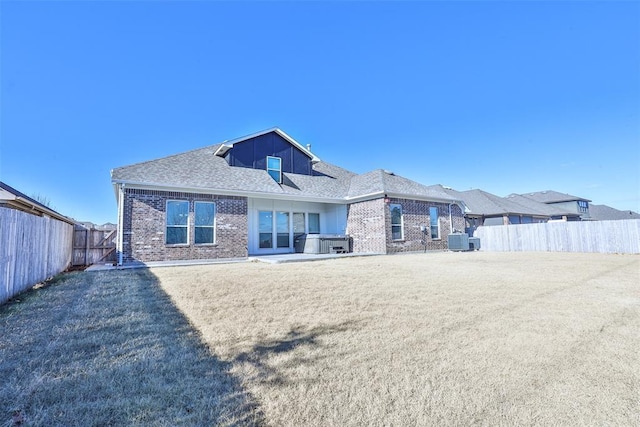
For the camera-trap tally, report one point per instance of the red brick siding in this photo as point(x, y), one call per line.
point(369, 225)
point(415, 213)
point(366, 226)
point(145, 222)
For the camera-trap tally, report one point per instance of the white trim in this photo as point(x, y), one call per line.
point(120, 229)
point(166, 225)
point(280, 196)
point(391, 205)
point(279, 170)
point(222, 150)
point(437, 223)
point(213, 226)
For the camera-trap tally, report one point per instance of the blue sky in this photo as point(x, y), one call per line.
point(509, 97)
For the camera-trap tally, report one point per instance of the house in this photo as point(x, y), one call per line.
point(607, 213)
point(553, 212)
point(484, 209)
point(256, 194)
point(14, 199)
point(567, 202)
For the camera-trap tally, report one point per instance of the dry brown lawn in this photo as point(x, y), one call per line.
point(110, 349)
point(426, 339)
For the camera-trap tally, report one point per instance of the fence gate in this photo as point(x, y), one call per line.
point(93, 246)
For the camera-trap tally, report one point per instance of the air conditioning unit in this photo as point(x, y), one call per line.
point(474, 243)
point(458, 242)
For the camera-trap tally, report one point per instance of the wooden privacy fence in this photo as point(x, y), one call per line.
point(32, 249)
point(581, 236)
point(93, 246)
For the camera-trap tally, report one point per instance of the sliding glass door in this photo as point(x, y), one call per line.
point(274, 230)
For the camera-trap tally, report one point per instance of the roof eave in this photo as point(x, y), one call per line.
point(25, 205)
point(228, 192)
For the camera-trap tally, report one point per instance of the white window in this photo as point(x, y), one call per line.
point(274, 168)
point(177, 222)
point(434, 223)
point(265, 229)
point(314, 223)
point(397, 228)
point(282, 229)
point(205, 218)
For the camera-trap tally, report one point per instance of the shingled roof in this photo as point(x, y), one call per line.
point(607, 213)
point(549, 210)
point(550, 196)
point(480, 202)
point(387, 183)
point(202, 170)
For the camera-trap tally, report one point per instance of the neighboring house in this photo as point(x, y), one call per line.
point(553, 212)
point(607, 213)
point(566, 202)
point(14, 199)
point(485, 209)
point(257, 194)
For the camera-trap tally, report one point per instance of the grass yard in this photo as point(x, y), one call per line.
point(110, 349)
point(426, 339)
point(422, 339)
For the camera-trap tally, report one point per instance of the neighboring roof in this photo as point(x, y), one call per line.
point(550, 196)
point(549, 210)
point(203, 170)
point(607, 213)
point(480, 202)
point(15, 199)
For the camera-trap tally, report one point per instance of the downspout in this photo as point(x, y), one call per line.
point(120, 223)
point(451, 230)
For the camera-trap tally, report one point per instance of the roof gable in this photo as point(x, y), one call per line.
point(228, 145)
point(253, 153)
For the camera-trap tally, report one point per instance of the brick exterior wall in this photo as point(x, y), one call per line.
point(415, 213)
point(369, 225)
point(366, 224)
point(145, 225)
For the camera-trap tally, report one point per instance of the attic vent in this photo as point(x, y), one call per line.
point(388, 172)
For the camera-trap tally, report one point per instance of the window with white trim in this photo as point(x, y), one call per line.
point(314, 223)
point(177, 222)
point(397, 226)
point(434, 224)
point(274, 168)
point(205, 220)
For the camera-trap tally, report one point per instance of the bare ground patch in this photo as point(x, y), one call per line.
point(424, 339)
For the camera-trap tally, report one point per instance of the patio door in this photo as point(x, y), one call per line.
point(298, 224)
point(274, 230)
